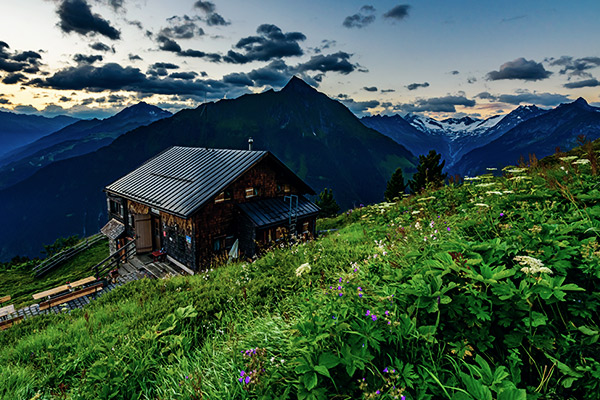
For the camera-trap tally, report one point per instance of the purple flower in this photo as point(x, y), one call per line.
point(368, 313)
point(339, 288)
point(359, 288)
point(377, 392)
point(360, 295)
point(341, 294)
point(242, 373)
point(502, 214)
point(389, 322)
point(247, 380)
point(403, 397)
point(448, 229)
point(374, 317)
point(387, 312)
point(240, 379)
point(385, 370)
point(340, 280)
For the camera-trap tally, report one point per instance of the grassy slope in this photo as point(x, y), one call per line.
point(20, 284)
point(421, 298)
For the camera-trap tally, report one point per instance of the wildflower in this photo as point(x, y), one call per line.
point(341, 294)
point(360, 295)
point(387, 312)
point(418, 226)
point(448, 229)
point(302, 269)
point(247, 380)
point(568, 158)
point(532, 265)
point(415, 212)
point(431, 224)
point(581, 162)
point(385, 370)
point(359, 288)
point(502, 214)
point(377, 392)
point(368, 313)
point(374, 317)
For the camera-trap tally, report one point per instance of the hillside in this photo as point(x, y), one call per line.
point(79, 138)
point(20, 129)
point(488, 290)
point(316, 137)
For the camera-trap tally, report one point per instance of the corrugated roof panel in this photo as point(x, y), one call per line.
point(181, 179)
point(274, 211)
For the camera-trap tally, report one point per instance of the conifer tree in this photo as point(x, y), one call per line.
point(395, 186)
point(329, 207)
point(429, 172)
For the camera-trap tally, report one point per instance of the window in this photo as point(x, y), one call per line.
point(223, 196)
point(305, 227)
point(115, 207)
point(219, 243)
point(251, 192)
point(286, 188)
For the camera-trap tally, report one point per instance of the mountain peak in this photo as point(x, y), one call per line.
point(298, 85)
point(581, 101)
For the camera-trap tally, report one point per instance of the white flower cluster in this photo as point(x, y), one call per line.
point(532, 265)
point(568, 158)
point(302, 269)
point(581, 161)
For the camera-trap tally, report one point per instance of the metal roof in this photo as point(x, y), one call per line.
point(113, 229)
point(267, 212)
point(181, 179)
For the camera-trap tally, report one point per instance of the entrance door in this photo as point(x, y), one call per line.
point(157, 232)
point(143, 230)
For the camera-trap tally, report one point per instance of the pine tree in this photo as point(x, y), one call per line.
point(429, 172)
point(329, 207)
point(395, 186)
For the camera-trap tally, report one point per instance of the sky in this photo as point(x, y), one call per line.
point(92, 58)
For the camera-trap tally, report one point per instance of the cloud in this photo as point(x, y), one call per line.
point(5, 101)
point(24, 61)
point(276, 74)
point(212, 18)
point(520, 69)
point(337, 62)
point(527, 97)
point(269, 44)
point(361, 19)
point(437, 104)
point(398, 13)
point(575, 67)
point(134, 57)
point(85, 59)
point(113, 77)
point(238, 79)
point(585, 83)
point(99, 46)
point(11, 79)
point(164, 65)
point(167, 44)
point(358, 107)
point(138, 24)
point(76, 16)
point(414, 86)
point(182, 28)
point(325, 44)
point(455, 72)
point(370, 88)
point(183, 75)
point(388, 90)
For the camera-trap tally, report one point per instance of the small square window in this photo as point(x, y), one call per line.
point(251, 192)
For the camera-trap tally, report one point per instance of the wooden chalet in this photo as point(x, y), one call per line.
point(196, 203)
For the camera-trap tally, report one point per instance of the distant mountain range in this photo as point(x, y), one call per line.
point(79, 138)
point(471, 145)
point(317, 137)
point(19, 129)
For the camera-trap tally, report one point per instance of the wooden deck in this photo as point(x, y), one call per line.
point(146, 266)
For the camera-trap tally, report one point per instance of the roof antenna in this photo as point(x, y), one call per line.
point(250, 141)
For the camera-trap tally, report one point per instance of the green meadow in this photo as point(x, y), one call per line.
point(489, 289)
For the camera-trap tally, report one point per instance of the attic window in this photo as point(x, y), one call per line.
point(251, 192)
point(223, 196)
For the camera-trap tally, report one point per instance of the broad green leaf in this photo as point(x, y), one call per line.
point(321, 369)
point(310, 380)
point(328, 360)
point(512, 394)
point(587, 331)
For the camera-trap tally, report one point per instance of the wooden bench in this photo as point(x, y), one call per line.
point(4, 299)
point(64, 288)
point(7, 310)
point(71, 296)
point(10, 322)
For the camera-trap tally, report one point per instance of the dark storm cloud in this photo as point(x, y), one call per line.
point(398, 13)
point(575, 66)
point(277, 73)
point(114, 77)
point(24, 61)
point(11, 79)
point(167, 44)
point(164, 65)
point(182, 28)
point(370, 88)
point(437, 104)
point(527, 70)
point(212, 18)
point(414, 86)
point(134, 57)
point(337, 62)
point(86, 59)
point(99, 46)
point(361, 19)
point(206, 6)
point(358, 107)
point(238, 79)
point(585, 83)
point(527, 97)
point(5, 101)
point(183, 75)
point(270, 43)
point(76, 16)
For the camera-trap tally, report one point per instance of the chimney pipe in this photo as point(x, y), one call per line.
point(250, 141)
